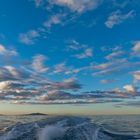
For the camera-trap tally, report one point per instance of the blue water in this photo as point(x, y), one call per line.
point(42, 127)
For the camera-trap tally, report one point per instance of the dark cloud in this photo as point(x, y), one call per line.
point(12, 73)
point(68, 84)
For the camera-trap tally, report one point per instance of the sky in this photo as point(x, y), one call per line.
point(70, 56)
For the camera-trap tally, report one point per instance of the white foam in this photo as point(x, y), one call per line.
point(50, 132)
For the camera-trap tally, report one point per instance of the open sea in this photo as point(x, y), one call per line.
point(45, 127)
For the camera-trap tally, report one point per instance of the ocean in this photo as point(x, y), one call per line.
point(47, 127)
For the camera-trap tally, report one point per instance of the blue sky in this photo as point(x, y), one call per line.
point(64, 51)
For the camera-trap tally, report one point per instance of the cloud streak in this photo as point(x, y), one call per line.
point(118, 17)
point(7, 52)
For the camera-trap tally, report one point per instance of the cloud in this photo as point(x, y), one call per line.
point(12, 73)
point(62, 97)
point(18, 94)
point(114, 55)
point(26, 90)
point(108, 81)
point(71, 101)
point(29, 38)
point(55, 95)
point(48, 92)
point(38, 64)
point(67, 84)
point(62, 68)
point(103, 66)
point(86, 54)
point(130, 89)
point(67, 10)
point(6, 52)
point(68, 70)
point(136, 49)
point(72, 5)
point(118, 17)
point(59, 68)
point(117, 66)
point(75, 45)
point(136, 76)
point(5, 85)
point(54, 20)
point(59, 96)
point(77, 6)
point(17, 86)
point(17, 89)
point(60, 12)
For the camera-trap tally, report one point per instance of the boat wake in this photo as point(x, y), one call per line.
point(59, 128)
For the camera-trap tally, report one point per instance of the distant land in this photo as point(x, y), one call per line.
point(34, 114)
point(30, 114)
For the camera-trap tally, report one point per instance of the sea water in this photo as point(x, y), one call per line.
point(44, 127)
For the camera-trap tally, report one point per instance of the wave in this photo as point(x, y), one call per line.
point(60, 128)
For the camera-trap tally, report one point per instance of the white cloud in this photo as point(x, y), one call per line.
point(118, 17)
point(103, 66)
point(130, 89)
point(87, 53)
point(54, 20)
point(6, 52)
point(38, 63)
point(136, 76)
point(13, 71)
point(10, 73)
point(78, 6)
point(60, 68)
point(117, 66)
point(64, 69)
point(73, 44)
point(136, 49)
point(29, 37)
point(5, 85)
point(55, 95)
point(115, 54)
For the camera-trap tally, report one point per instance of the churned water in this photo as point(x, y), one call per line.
point(41, 127)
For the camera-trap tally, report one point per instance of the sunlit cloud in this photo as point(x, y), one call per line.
point(7, 52)
point(38, 64)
